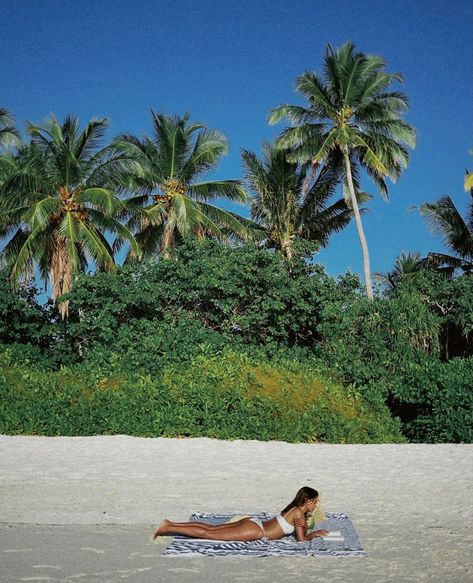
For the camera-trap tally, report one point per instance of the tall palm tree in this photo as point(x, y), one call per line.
point(172, 199)
point(57, 205)
point(446, 222)
point(351, 110)
point(289, 202)
point(9, 135)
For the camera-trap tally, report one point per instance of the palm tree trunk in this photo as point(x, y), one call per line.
point(308, 180)
point(287, 248)
point(167, 242)
point(60, 274)
point(359, 228)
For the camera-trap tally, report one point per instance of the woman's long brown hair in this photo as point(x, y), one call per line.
point(302, 496)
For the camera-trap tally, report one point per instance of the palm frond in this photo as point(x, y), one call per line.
point(9, 135)
point(97, 246)
point(90, 138)
point(317, 94)
point(319, 226)
point(229, 189)
point(209, 147)
point(100, 198)
point(446, 222)
point(102, 223)
point(22, 264)
point(232, 224)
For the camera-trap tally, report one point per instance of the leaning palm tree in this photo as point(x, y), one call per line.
point(446, 222)
point(9, 135)
point(289, 202)
point(350, 110)
point(57, 208)
point(172, 197)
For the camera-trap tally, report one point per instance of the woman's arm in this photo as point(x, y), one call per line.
point(300, 525)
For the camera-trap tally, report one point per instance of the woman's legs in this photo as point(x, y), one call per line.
point(244, 530)
point(212, 526)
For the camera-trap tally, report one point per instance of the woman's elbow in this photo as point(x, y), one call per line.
point(302, 538)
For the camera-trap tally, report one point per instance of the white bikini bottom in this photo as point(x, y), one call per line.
point(258, 522)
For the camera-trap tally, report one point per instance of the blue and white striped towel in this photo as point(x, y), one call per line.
point(350, 546)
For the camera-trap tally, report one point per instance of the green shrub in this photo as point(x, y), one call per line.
point(146, 346)
point(435, 400)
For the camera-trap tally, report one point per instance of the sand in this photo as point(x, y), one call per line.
point(81, 508)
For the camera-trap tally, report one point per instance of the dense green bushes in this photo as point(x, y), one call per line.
point(391, 350)
point(244, 292)
point(161, 330)
point(227, 396)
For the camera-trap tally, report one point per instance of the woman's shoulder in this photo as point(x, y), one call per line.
point(294, 513)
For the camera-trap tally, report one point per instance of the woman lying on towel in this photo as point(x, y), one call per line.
point(291, 519)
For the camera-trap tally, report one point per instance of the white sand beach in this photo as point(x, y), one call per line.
point(411, 504)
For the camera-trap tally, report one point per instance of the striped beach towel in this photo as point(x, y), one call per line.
point(346, 544)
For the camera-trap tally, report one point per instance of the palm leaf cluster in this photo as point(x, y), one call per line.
point(9, 135)
point(56, 211)
point(456, 232)
point(173, 198)
point(290, 201)
point(406, 267)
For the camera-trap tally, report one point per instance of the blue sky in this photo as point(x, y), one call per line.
point(229, 63)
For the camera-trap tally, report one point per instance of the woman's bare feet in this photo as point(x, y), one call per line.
point(161, 530)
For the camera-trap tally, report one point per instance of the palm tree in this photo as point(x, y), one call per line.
point(350, 110)
point(57, 205)
point(289, 202)
point(446, 222)
point(171, 198)
point(9, 136)
point(406, 266)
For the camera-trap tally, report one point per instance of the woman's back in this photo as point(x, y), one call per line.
point(281, 525)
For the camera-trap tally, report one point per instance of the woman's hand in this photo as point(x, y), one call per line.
point(320, 532)
point(300, 522)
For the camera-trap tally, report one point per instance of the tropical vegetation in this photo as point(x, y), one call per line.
point(9, 135)
point(456, 232)
point(407, 265)
point(290, 203)
point(168, 315)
